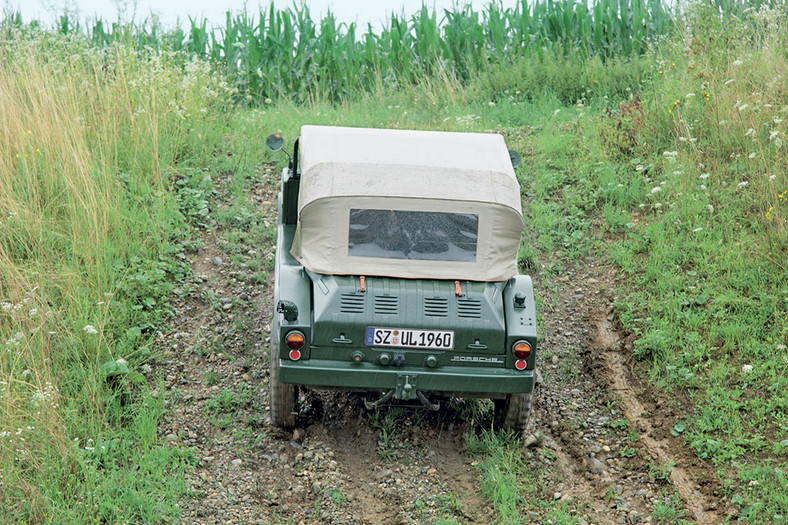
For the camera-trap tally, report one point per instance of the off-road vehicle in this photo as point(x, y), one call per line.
point(396, 271)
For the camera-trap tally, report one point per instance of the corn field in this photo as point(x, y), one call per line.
point(286, 53)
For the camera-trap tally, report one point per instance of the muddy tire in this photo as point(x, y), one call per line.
point(513, 412)
point(283, 396)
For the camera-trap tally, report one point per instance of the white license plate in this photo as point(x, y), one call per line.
point(407, 338)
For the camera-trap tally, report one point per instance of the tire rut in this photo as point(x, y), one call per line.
point(620, 380)
point(595, 417)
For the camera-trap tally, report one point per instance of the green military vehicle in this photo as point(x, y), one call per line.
point(396, 272)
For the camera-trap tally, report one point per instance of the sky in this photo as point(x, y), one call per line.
point(361, 11)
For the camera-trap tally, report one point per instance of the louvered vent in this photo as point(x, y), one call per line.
point(469, 308)
point(436, 307)
point(386, 304)
point(351, 303)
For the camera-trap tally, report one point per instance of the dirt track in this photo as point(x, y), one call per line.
point(597, 430)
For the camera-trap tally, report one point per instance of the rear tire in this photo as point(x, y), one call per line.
point(513, 412)
point(283, 396)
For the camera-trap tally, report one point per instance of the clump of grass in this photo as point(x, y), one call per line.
point(90, 141)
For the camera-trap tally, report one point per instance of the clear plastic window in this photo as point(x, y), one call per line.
point(421, 235)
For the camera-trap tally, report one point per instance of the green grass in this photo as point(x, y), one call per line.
point(97, 153)
point(107, 160)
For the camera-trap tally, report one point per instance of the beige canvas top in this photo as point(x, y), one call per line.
point(412, 204)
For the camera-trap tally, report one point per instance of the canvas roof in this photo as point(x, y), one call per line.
point(447, 172)
point(337, 161)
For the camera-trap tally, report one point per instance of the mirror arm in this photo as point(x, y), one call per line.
point(294, 161)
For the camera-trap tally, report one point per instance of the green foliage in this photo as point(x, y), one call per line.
point(285, 53)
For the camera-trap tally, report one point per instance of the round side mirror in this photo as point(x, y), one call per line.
point(515, 158)
point(274, 142)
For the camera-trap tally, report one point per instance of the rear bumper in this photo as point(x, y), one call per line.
point(367, 376)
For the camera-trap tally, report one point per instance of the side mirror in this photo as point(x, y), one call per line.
point(515, 158)
point(274, 142)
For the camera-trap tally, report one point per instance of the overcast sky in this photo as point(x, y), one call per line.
point(169, 11)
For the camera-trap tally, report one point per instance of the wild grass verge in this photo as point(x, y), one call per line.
point(699, 204)
point(94, 152)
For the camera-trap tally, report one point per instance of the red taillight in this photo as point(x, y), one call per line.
point(520, 364)
point(522, 350)
point(295, 355)
point(295, 340)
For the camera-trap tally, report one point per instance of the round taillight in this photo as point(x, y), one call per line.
point(522, 350)
point(520, 364)
point(295, 340)
point(295, 355)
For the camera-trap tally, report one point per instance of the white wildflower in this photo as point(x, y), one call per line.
point(743, 184)
point(696, 230)
point(677, 172)
point(730, 81)
point(689, 95)
point(639, 167)
point(670, 154)
point(777, 120)
point(25, 372)
point(781, 347)
point(658, 205)
point(556, 112)
point(702, 187)
point(6, 306)
point(752, 155)
point(710, 208)
point(655, 190)
point(773, 134)
point(33, 312)
point(682, 139)
point(704, 176)
point(90, 329)
point(746, 369)
point(737, 63)
point(772, 177)
point(491, 103)
point(743, 107)
point(749, 132)
point(121, 361)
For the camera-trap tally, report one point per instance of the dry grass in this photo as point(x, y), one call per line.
point(88, 139)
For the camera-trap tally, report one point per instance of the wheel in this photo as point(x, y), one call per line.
point(513, 411)
point(283, 396)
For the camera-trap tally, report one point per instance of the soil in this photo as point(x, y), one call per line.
point(598, 433)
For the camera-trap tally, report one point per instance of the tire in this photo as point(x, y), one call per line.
point(513, 412)
point(283, 396)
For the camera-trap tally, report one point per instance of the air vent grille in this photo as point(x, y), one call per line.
point(351, 303)
point(469, 308)
point(436, 307)
point(386, 304)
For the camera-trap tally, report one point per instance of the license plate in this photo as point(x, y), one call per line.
point(407, 338)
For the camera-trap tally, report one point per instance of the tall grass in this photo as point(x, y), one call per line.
point(702, 188)
point(89, 138)
point(286, 53)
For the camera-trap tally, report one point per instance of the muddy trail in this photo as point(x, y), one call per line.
point(599, 438)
